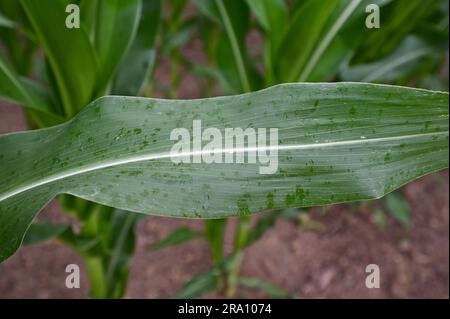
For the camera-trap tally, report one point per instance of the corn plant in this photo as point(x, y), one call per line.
point(111, 53)
point(331, 45)
point(108, 156)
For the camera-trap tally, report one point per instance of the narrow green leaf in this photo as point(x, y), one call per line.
point(5, 22)
point(116, 24)
point(399, 18)
point(199, 285)
point(270, 289)
point(344, 40)
point(21, 91)
point(69, 52)
point(179, 37)
point(121, 246)
point(178, 236)
point(308, 25)
point(214, 233)
point(398, 207)
point(89, 9)
point(208, 9)
point(271, 14)
point(236, 40)
point(327, 39)
point(273, 17)
point(138, 63)
point(43, 231)
point(337, 142)
point(262, 225)
point(395, 66)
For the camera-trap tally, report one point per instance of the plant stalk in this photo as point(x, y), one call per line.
point(240, 241)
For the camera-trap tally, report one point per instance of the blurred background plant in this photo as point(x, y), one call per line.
point(248, 45)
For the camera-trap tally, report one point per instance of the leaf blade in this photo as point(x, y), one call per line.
point(115, 28)
point(178, 236)
point(338, 142)
point(72, 61)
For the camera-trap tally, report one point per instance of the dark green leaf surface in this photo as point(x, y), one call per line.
point(138, 62)
point(43, 231)
point(115, 28)
point(308, 24)
point(200, 284)
point(19, 90)
point(178, 236)
point(396, 65)
point(337, 142)
point(70, 54)
point(215, 233)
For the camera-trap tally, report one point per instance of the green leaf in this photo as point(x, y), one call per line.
point(116, 24)
point(214, 233)
point(43, 231)
point(262, 225)
point(399, 18)
point(209, 9)
point(272, 16)
point(346, 31)
point(69, 52)
point(270, 289)
point(402, 61)
point(14, 24)
point(176, 39)
point(22, 91)
point(398, 207)
point(106, 242)
point(234, 17)
point(121, 244)
point(200, 285)
point(139, 61)
point(89, 9)
point(5, 22)
point(178, 236)
point(337, 142)
point(308, 24)
point(330, 34)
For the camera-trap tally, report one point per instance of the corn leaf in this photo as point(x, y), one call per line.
point(138, 62)
point(337, 142)
point(215, 233)
point(400, 63)
point(72, 60)
point(232, 57)
point(42, 231)
point(308, 24)
point(178, 236)
point(398, 207)
point(115, 28)
point(270, 289)
point(22, 91)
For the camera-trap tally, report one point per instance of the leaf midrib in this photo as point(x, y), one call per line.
point(146, 157)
